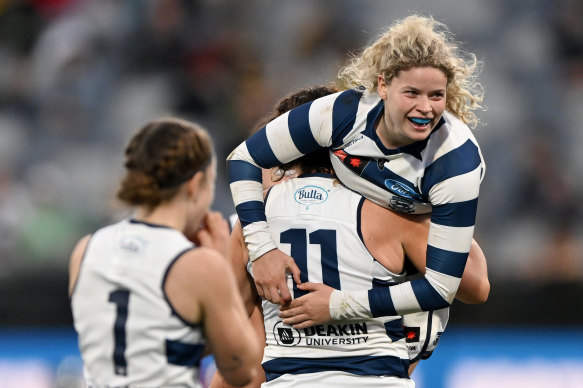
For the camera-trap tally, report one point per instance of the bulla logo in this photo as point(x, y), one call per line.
point(311, 195)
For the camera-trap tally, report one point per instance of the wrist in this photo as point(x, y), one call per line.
point(346, 305)
point(261, 250)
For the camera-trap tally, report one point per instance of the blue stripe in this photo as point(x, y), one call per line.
point(370, 130)
point(267, 196)
point(359, 220)
point(359, 365)
point(298, 250)
point(299, 129)
point(381, 303)
point(344, 114)
point(394, 329)
point(239, 170)
point(260, 150)
point(456, 162)
point(326, 238)
point(250, 212)
point(427, 297)
point(460, 214)
point(446, 262)
point(183, 354)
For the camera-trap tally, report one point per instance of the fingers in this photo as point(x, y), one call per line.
point(275, 296)
point(214, 233)
point(285, 295)
point(294, 317)
point(299, 321)
point(309, 286)
point(260, 291)
point(294, 270)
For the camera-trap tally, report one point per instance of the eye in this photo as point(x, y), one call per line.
point(437, 95)
point(411, 92)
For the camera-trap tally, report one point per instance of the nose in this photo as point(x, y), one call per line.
point(424, 105)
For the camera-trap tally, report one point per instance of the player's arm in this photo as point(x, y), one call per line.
point(448, 245)
point(407, 236)
point(75, 262)
point(251, 300)
point(202, 288)
point(272, 145)
point(452, 182)
point(474, 287)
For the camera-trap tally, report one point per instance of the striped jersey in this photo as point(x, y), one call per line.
point(129, 334)
point(316, 221)
point(441, 175)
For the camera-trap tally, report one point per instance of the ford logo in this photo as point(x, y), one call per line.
point(402, 190)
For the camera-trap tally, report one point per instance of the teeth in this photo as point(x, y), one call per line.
point(419, 121)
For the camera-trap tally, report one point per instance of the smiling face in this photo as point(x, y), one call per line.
point(414, 101)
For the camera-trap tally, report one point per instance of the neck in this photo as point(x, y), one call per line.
point(168, 214)
point(382, 132)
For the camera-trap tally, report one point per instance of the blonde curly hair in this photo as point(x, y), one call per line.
point(417, 41)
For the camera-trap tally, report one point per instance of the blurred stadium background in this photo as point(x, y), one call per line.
point(77, 78)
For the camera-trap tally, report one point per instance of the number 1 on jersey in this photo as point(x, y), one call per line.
point(326, 238)
point(121, 299)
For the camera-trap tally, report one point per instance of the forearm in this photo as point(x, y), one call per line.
point(247, 192)
point(399, 299)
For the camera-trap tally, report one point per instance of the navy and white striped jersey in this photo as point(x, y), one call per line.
point(317, 222)
point(129, 334)
point(441, 175)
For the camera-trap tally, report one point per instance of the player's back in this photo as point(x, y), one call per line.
point(315, 220)
point(129, 334)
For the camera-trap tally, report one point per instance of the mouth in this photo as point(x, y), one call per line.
point(419, 122)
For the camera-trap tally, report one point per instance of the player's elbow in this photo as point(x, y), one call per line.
point(247, 371)
point(483, 292)
point(243, 377)
point(477, 293)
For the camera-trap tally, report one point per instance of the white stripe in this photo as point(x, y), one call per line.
point(241, 153)
point(408, 167)
point(404, 299)
point(448, 137)
point(451, 238)
point(280, 140)
point(244, 191)
point(258, 239)
point(445, 285)
point(320, 118)
point(459, 188)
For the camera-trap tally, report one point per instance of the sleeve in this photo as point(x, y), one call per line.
point(453, 182)
point(288, 137)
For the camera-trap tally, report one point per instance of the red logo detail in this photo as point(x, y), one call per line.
point(411, 335)
point(355, 162)
point(341, 154)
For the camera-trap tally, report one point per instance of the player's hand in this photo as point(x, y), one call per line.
point(269, 273)
point(214, 233)
point(310, 309)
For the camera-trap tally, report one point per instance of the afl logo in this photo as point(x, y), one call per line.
point(311, 195)
point(402, 190)
point(133, 244)
point(286, 335)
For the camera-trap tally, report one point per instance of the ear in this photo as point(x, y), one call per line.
point(193, 185)
point(381, 86)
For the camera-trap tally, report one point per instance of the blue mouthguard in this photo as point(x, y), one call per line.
point(419, 121)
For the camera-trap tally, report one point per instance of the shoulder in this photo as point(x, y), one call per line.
point(454, 132)
point(452, 141)
point(200, 263)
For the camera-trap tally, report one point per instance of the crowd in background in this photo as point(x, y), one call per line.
point(78, 77)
